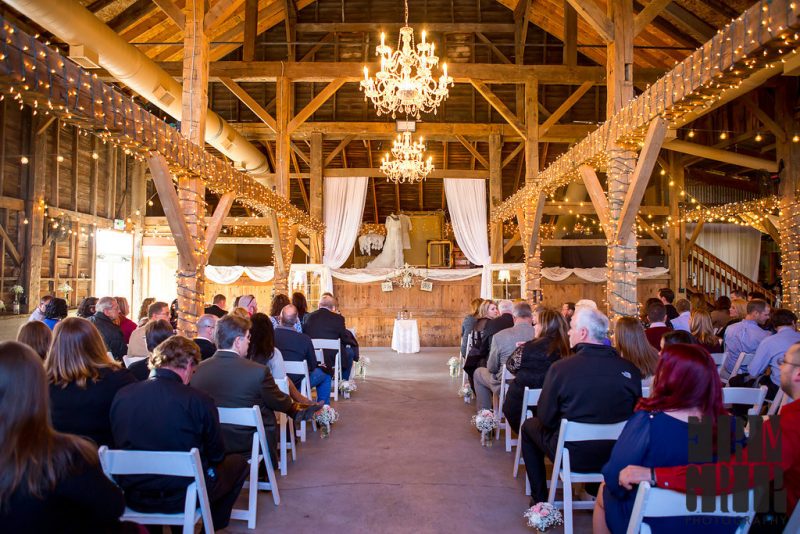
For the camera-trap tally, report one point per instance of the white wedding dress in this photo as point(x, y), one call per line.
point(392, 253)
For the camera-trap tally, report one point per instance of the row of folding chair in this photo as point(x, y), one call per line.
point(330, 344)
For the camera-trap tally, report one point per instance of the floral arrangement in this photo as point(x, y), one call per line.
point(65, 288)
point(346, 387)
point(485, 421)
point(455, 364)
point(543, 516)
point(466, 392)
point(325, 418)
point(17, 290)
point(361, 367)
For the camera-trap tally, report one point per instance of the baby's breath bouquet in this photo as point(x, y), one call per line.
point(361, 367)
point(325, 418)
point(455, 364)
point(346, 387)
point(466, 392)
point(543, 516)
point(485, 421)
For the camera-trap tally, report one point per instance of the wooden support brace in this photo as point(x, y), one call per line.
point(641, 176)
point(315, 103)
point(173, 12)
point(652, 233)
point(342, 144)
point(302, 155)
point(564, 107)
point(533, 238)
point(501, 56)
point(646, 15)
point(219, 12)
point(215, 226)
point(277, 245)
point(162, 179)
point(725, 156)
point(250, 102)
point(513, 155)
point(692, 240)
point(591, 13)
point(598, 198)
point(765, 119)
point(10, 248)
point(501, 108)
point(472, 150)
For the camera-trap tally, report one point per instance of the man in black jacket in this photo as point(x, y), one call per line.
point(297, 347)
point(327, 324)
point(106, 312)
point(217, 308)
point(233, 381)
point(165, 414)
point(595, 385)
point(206, 326)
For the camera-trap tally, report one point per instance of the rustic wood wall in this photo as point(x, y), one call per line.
point(573, 289)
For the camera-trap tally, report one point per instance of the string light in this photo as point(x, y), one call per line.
point(758, 137)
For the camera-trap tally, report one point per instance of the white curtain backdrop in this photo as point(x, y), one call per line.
point(466, 201)
point(343, 208)
point(738, 246)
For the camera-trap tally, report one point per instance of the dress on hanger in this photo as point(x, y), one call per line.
point(392, 253)
point(405, 226)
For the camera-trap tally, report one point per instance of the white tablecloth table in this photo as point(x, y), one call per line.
point(405, 337)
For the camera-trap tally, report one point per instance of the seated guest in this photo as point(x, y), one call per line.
point(205, 335)
point(633, 346)
point(488, 311)
point(745, 335)
point(279, 302)
point(299, 301)
point(233, 381)
point(154, 333)
point(667, 296)
point(324, 323)
point(567, 311)
point(737, 312)
point(468, 322)
point(550, 344)
point(217, 308)
point(52, 482)
point(37, 336)
point(770, 352)
point(143, 309)
point(83, 381)
point(753, 295)
point(702, 328)
point(643, 311)
point(721, 313)
point(86, 307)
point(126, 325)
point(55, 311)
point(730, 474)
point(657, 317)
point(687, 385)
point(104, 320)
point(503, 320)
point(165, 414)
point(173, 314)
point(674, 337)
point(248, 302)
point(586, 303)
point(38, 311)
point(297, 347)
point(487, 379)
point(155, 312)
point(684, 309)
point(594, 385)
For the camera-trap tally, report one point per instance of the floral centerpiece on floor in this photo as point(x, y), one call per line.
point(346, 387)
point(17, 290)
point(543, 516)
point(361, 367)
point(455, 364)
point(66, 289)
point(466, 392)
point(325, 418)
point(485, 421)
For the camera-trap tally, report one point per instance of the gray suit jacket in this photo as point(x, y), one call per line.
point(503, 344)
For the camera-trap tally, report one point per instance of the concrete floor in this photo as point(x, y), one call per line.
point(403, 458)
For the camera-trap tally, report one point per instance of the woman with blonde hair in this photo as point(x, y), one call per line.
point(632, 344)
point(469, 322)
point(83, 380)
point(737, 312)
point(126, 325)
point(143, 315)
point(702, 328)
point(486, 312)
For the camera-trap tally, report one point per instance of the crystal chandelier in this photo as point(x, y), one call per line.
point(407, 164)
point(395, 88)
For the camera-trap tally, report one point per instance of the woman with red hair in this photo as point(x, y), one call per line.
point(686, 385)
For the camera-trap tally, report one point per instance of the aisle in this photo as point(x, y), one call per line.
point(403, 458)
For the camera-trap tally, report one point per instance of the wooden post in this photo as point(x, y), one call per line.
point(138, 203)
point(191, 190)
point(283, 150)
point(789, 223)
point(34, 209)
point(676, 231)
point(496, 194)
point(316, 191)
point(533, 212)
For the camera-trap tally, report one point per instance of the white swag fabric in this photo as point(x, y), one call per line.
point(738, 246)
point(342, 212)
point(228, 275)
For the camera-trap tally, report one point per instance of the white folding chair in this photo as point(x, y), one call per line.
point(286, 429)
point(743, 360)
point(502, 424)
point(251, 418)
point(331, 344)
point(301, 368)
point(781, 399)
point(130, 360)
point(645, 392)
point(793, 525)
point(657, 502)
point(719, 358)
point(571, 432)
point(179, 464)
point(754, 397)
point(529, 399)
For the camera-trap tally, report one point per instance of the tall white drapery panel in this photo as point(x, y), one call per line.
point(738, 246)
point(343, 208)
point(466, 201)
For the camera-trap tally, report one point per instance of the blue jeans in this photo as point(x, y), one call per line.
point(347, 362)
point(322, 381)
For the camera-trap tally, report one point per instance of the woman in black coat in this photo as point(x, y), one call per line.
point(550, 343)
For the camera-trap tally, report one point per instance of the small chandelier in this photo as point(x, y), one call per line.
point(394, 88)
point(407, 165)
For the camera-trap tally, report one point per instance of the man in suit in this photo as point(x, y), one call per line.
point(327, 324)
point(487, 379)
point(233, 381)
point(297, 347)
point(657, 315)
point(595, 385)
point(108, 312)
point(217, 308)
point(137, 344)
point(205, 335)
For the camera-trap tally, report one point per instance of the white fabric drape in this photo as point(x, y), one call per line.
point(466, 201)
point(366, 276)
point(596, 274)
point(228, 275)
point(343, 209)
point(738, 246)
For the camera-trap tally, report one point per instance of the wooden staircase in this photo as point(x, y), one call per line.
point(710, 276)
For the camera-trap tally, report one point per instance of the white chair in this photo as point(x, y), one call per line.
point(743, 360)
point(529, 399)
point(502, 424)
point(781, 399)
point(645, 392)
point(750, 396)
point(793, 525)
point(251, 418)
point(719, 358)
point(130, 360)
point(286, 429)
point(301, 368)
point(657, 502)
point(571, 432)
point(331, 344)
point(179, 464)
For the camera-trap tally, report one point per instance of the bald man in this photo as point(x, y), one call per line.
point(325, 323)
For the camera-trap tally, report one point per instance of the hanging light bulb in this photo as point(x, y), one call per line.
point(23, 160)
point(691, 134)
point(758, 137)
point(723, 135)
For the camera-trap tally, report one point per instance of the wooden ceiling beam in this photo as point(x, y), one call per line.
point(173, 12)
point(500, 107)
point(394, 27)
point(220, 11)
point(564, 107)
point(513, 155)
point(315, 103)
point(344, 142)
point(593, 14)
point(328, 37)
point(765, 119)
point(133, 13)
point(496, 51)
point(473, 150)
point(250, 30)
point(646, 16)
point(290, 20)
point(733, 158)
point(250, 102)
